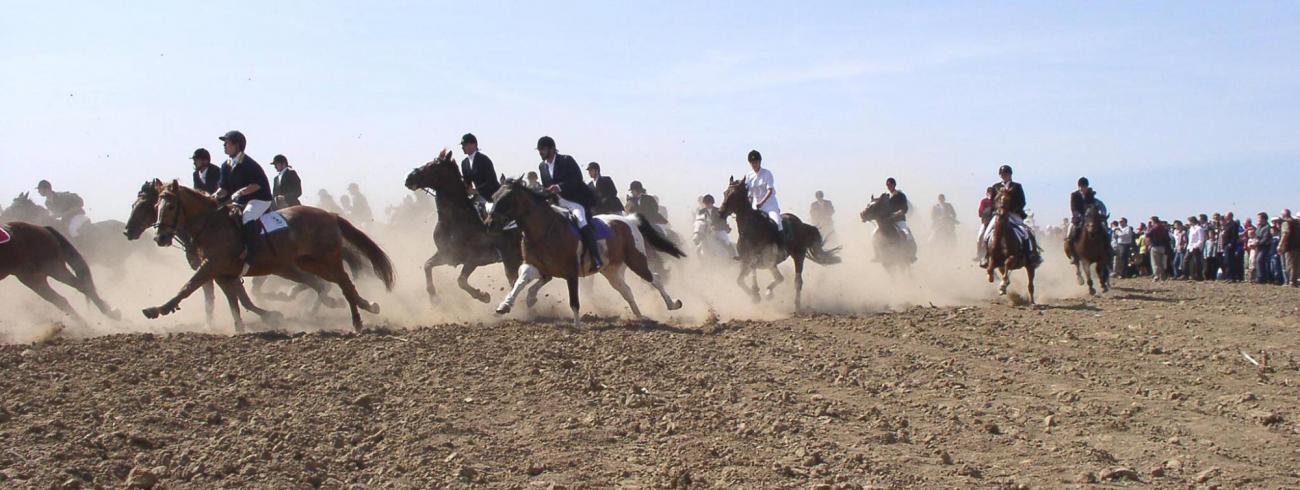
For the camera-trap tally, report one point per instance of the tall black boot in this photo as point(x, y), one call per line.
point(249, 236)
point(589, 241)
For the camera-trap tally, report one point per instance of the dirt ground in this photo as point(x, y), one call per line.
point(1146, 386)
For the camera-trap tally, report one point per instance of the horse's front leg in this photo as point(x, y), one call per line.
point(1005, 270)
point(1030, 272)
point(527, 273)
point(463, 282)
point(203, 275)
point(428, 279)
point(573, 300)
point(777, 279)
point(531, 300)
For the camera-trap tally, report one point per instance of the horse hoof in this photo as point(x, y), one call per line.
point(374, 308)
point(114, 315)
point(271, 317)
point(482, 297)
point(503, 309)
point(677, 305)
point(150, 313)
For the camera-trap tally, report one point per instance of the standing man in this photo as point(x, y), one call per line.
point(1124, 237)
point(477, 170)
point(1016, 214)
point(607, 201)
point(562, 178)
point(67, 207)
point(822, 212)
point(288, 187)
point(1158, 243)
point(245, 183)
point(207, 177)
point(762, 191)
point(1194, 263)
point(944, 219)
point(1264, 250)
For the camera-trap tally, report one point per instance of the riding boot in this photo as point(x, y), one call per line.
point(1069, 244)
point(589, 242)
point(249, 236)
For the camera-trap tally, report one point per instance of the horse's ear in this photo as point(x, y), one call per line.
point(503, 179)
point(173, 185)
point(731, 179)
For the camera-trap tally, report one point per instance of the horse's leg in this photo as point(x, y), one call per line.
point(1030, 272)
point(233, 290)
point(798, 283)
point(312, 282)
point(428, 279)
point(531, 300)
point(85, 287)
point(203, 275)
point(615, 277)
point(527, 273)
point(335, 273)
point(1079, 270)
point(1103, 275)
point(38, 284)
point(463, 282)
point(241, 294)
point(640, 266)
point(573, 300)
point(777, 279)
point(209, 300)
point(1005, 270)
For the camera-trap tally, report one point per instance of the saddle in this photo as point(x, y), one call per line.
point(4, 235)
point(601, 229)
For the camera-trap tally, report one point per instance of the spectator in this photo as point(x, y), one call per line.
point(1264, 249)
point(1124, 248)
point(1157, 244)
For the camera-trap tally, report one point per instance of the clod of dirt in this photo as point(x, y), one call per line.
point(1120, 473)
point(1206, 475)
point(142, 478)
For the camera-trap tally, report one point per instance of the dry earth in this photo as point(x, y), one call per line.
point(1145, 387)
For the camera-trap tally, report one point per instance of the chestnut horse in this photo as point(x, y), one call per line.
point(313, 243)
point(1007, 251)
point(461, 236)
point(760, 243)
point(1091, 250)
point(37, 253)
point(551, 248)
point(894, 250)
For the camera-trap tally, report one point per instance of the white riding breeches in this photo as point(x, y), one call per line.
point(75, 223)
point(579, 213)
point(775, 216)
point(254, 209)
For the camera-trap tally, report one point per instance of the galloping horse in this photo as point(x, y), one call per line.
point(895, 250)
point(37, 253)
point(468, 242)
point(1007, 250)
point(1091, 249)
point(312, 243)
point(760, 243)
point(103, 246)
point(551, 248)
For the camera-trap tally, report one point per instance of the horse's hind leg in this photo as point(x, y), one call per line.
point(615, 277)
point(428, 279)
point(234, 292)
point(641, 268)
point(86, 288)
point(531, 299)
point(463, 282)
point(309, 281)
point(527, 273)
point(209, 300)
point(1030, 272)
point(574, 303)
point(777, 279)
point(244, 299)
point(798, 284)
point(334, 272)
point(39, 285)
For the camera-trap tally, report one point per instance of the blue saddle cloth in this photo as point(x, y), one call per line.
point(602, 229)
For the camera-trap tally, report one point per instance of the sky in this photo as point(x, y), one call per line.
point(1169, 108)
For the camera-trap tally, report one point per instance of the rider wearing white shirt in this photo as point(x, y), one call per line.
point(762, 189)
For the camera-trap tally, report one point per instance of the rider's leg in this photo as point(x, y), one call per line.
point(252, 211)
point(585, 230)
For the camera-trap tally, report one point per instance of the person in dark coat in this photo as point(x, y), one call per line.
point(244, 182)
point(562, 178)
point(638, 202)
point(288, 187)
point(207, 177)
point(1016, 214)
point(477, 170)
point(607, 201)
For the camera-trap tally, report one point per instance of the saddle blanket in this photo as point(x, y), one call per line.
point(273, 222)
point(4, 235)
point(602, 230)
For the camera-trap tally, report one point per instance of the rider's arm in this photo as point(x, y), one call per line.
point(768, 195)
point(248, 189)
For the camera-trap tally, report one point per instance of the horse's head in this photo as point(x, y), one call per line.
point(440, 175)
point(23, 208)
point(170, 216)
point(144, 211)
point(513, 201)
point(735, 198)
point(876, 210)
point(1002, 201)
point(1092, 222)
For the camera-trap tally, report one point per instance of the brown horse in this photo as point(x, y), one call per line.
point(313, 243)
point(1091, 250)
point(37, 253)
point(551, 248)
point(895, 250)
point(760, 243)
point(1007, 251)
point(460, 236)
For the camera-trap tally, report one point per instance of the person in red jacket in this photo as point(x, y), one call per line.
point(986, 215)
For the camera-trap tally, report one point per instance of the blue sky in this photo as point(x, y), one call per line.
point(1169, 107)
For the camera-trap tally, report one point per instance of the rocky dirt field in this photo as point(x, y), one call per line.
point(1148, 386)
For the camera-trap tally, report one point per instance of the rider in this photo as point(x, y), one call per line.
point(1079, 202)
point(607, 201)
point(288, 187)
point(710, 225)
point(477, 170)
point(821, 212)
point(359, 208)
point(762, 191)
point(1015, 214)
point(244, 183)
point(67, 207)
point(207, 177)
point(638, 202)
point(897, 212)
point(562, 178)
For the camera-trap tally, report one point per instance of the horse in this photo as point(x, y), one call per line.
point(144, 215)
point(37, 253)
point(1006, 250)
point(760, 243)
point(551, 248)
point(1091, 249)
point(99, 239)
point(894, 249)
point(461, 237)
point(312, 244)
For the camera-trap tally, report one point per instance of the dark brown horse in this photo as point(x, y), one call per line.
point(461, 237)
point(35, 254)
point(1091, 250)
point(100, 240)
point(1007, 250)
point(312, 244)
point(760, 244)
point(895, 250)
point(551, 248)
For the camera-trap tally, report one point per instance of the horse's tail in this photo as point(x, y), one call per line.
point(70, 255)
point(353, 259)
point(367, 247)
point(657, 239)
point(816, 248)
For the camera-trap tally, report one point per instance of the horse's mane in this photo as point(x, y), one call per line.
point(521, 184)
point(189, 192)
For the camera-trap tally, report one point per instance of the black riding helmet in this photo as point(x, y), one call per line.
point(235, 137)
point(1005, 169)
point(1083, 181)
